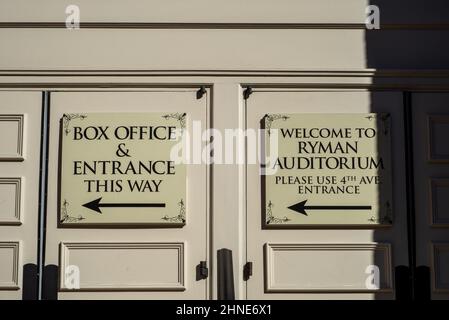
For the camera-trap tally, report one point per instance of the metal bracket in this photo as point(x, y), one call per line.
point(247, 271)
point(200, 93)
point(203, 270)
point(247, 92)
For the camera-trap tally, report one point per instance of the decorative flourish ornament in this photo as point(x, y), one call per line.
point(181, 117)
point(272, 219)
point(66, 217)
point(181, 217)
point(66, 118)
point(270, 118)
point(386, 218)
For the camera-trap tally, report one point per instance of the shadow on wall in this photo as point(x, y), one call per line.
point(420, 47)
point(420, 43)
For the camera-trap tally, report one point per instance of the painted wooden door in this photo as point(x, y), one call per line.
point(431, 170)
point(20, 132)
point(147, 253)
point(323, 260)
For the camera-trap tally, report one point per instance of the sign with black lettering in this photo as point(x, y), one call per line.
point(116, 169)
point(327, 170)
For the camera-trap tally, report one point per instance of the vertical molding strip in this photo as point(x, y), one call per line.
point(43, 188)
point(410, 188)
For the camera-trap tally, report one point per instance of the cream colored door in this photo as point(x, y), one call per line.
point(142, 254)
point(20, 125)
point(431, 162)
point(324, 261)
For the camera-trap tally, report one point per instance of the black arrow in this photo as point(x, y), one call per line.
point(95, 205)
point(300, 207)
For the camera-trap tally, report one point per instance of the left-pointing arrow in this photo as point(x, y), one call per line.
point(95, 205)
point(301, 207)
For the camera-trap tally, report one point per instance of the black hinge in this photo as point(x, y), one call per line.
point(225, 275)
point(403, 283)
point(50, 282)
point(247, 271)
point(30, 282)
point(414, 286)
point(202, 271)
point(422, 283)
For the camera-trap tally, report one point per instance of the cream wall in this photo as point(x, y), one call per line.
point(216, 11)
point(260, 35)
point(192, 11)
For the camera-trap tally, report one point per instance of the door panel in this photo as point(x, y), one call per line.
point(20, 125)
point(136, 260)
point(321, 262)
point(431, 163)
